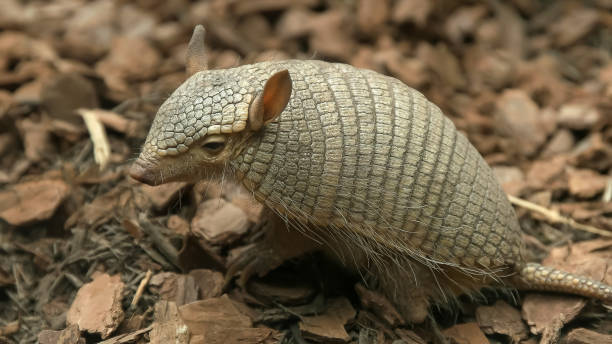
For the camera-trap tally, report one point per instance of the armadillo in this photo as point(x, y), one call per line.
point(359, 165)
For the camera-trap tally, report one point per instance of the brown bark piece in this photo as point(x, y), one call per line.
point(588, 258)
point(250, 206)
point(283, 292)
point(546, 314)
point(70, 335)
point(100, 210)
point(331, 34)
point(544, 172)
point(573, 26)
point(97, 305)
point(443, 63)
point(503, 319)
point(597, 247)
point(168, 326)
point(162, 195)
point(179, 289)
point(371, 15)
point(130, 59)
point(463, 22)
point(379, 305)
point(36, 136)
point(512, 179)
point(468, 333)
point(416, 11)
point(586, 183)
point(329, 326)
point(561, 142)
point(296, 22)
point(209, 282)
point(519, 118)
point(178, 224)
point(584, 336)
point(219, 321)
point(219, 221)
point(65, 93)
point(32, 201)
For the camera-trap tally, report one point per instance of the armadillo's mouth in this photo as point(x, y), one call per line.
point(144, 172)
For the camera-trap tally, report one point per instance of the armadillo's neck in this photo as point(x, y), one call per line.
point(251, 167)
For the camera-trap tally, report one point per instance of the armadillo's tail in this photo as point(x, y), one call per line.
point(537, 277)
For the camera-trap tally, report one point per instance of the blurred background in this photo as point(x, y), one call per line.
point(529, 83)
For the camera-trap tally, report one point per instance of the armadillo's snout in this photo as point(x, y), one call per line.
point(143, 172)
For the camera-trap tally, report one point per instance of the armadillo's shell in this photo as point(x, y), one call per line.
point(358, 149)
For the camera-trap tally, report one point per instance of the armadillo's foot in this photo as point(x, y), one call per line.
point(280, 244)
point(258, 259)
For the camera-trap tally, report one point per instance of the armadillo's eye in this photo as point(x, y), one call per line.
point(214, 144)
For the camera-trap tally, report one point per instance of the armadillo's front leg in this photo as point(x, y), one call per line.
point(281, 243)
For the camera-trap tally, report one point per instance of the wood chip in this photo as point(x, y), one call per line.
point(547, 314)
point(286, 291)
point(130, 58)
point(209, 282)
point(586, 183)
point(178, 224)
point(468, 333)
point(584, 336)
point(379, 305)
point(503, 319)
point(219, 321)
point(416, 11)
point(519, 119)
point(168, 326)
point(97, 305)
point(36, 139)
point(250, 206)
point(179, 289)
point(512, 179)
point(70, 335)
point(162, 195)
point(32, 201)
point(55, 99)
point(572, 27)
point(329, 326)
point(219, 221)
point(372, 15)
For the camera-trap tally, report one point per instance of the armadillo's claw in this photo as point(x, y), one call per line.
point(257, 259)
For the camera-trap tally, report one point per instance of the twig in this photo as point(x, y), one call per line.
point(141, 288)
point(127, 337)
point(98, 136)
point(160, 241)
point(554, 216)
point(607, 195)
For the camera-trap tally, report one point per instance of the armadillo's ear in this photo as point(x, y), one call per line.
point(196, 52)
point(272, 101)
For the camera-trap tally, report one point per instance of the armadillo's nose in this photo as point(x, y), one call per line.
point(142, 172)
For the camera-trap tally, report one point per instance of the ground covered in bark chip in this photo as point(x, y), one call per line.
point(89, 255)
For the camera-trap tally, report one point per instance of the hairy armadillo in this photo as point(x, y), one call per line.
point(358, 164)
